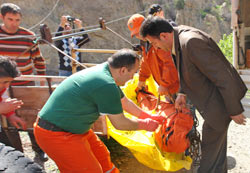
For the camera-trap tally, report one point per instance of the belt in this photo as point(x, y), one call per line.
point(49, 126)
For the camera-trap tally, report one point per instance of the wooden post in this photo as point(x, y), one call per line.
point(4, 122)
point(74, 65)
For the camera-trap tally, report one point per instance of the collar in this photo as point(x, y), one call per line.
point(1, 28)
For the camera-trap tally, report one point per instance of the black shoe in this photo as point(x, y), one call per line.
point(41, 156)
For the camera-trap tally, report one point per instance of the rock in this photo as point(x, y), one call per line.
point(212, 27)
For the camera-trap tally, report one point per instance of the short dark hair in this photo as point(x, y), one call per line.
point(10, 8)
point(8, 68)
point(154, 8)
point(154, 26)
point(123, 58)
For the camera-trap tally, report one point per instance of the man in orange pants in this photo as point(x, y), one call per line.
point(75, 152)
point(63, 127)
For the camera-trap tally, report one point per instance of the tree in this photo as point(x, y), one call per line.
point(226, 45)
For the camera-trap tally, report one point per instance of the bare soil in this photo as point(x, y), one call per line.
point(238, 153)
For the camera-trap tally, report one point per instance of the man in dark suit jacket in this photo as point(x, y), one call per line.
point(208, 79)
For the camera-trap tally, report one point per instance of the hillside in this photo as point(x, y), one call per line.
point(210, 16)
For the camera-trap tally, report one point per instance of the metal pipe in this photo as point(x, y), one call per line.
point(76, 33)
point(119, 36)
point(97, 50)
point(72, 59)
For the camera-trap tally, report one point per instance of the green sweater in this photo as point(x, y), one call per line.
point(80, 99)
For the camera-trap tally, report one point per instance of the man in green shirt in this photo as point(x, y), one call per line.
point(63, 127)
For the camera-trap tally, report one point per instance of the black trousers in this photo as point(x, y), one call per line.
point(214, 150)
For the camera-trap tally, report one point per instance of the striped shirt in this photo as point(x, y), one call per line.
point(13, 48)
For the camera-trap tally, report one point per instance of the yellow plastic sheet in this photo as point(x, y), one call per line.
point(142, 144)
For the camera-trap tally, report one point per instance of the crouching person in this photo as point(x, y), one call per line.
point(63, 127)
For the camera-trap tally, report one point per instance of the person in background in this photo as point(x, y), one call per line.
point(156, 10)
point(208, 79)
point(27, 56)
point(8, 71)
point(63, 127)
point(67, 44)
point(155, 62)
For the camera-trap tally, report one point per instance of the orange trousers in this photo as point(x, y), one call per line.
point(75, 153)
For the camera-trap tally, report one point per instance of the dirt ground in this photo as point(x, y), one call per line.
point(238, 153)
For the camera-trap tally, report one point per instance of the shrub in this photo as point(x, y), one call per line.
point(179, 4)
point(226, 46)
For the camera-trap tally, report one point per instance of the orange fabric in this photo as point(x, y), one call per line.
point(160, 64)
point(75, 153)
point(172, 134)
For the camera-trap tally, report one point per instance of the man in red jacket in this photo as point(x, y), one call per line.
point(155, 62)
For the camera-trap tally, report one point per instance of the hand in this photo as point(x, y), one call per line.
point(78, 23)
point(180, 102)
point(9, 105)
point(164, 91)
point(141, 85)
point(159, 118)
point(239, 119)
point(63, 21)
point(147, 124)
point(16, 121)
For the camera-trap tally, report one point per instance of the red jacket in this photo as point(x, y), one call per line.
point(1, 99)
point(160, 64)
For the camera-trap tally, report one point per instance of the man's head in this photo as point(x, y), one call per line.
point(156, 10)
point(8, 71)
point(123, 65)
point(158, 31)
point(67, 27)
point(134, 25)
point(11, 16)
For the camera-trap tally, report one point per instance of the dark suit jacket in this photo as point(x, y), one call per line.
point(208, 79)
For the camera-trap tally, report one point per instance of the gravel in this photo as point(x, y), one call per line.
point(238, 153)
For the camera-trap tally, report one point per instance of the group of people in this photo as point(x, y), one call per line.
point(185, 63)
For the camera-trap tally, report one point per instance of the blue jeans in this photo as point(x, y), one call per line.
point(65, 73)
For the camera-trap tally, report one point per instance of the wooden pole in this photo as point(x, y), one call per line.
point(74, 65)
point(4, 122)
point(40, 78)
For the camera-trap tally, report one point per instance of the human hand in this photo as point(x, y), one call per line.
point(9, 105)
point(239, 119)
point(147, 124)
point(159, 118)
point(163, 91)
point(17, 122)
point(180, 102)
point(63, 21)
point(78, 23)
point(141, 85)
